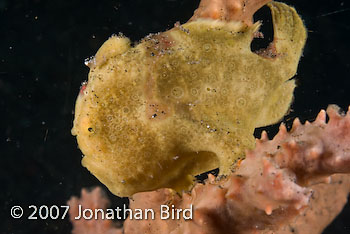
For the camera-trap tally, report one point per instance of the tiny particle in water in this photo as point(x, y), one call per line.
point(90, 129)
point(90, 61)
point(46, 133)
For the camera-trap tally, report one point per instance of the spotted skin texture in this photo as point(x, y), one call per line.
point(183, 102)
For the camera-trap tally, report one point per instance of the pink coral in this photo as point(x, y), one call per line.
point(92, 200)
point(229, 10)
point(269, 189)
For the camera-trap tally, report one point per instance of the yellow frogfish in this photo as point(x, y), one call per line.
point(184, 101)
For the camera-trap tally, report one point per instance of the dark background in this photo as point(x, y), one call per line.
point(43, 44)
